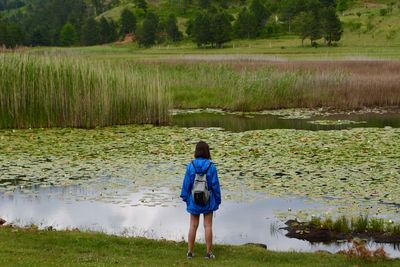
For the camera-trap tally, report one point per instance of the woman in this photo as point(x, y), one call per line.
point(201, 165)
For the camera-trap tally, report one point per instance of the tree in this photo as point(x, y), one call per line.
point(302, 24)
point(68, 35)
point(245, 25)
point(342, 5)
point(147, 33)
point(331, 25)
point(90, 32)
point(108, 31)
point(260, 13)
point(11, 35)
point(128, 22)
point(189, 28)
point(44, 20)
point(99, 6)
point(290, 9)
point(141, 4)
point(200, 29)
point(315, 29)
point(328, 3)
point(172, 29)
point(204, 3)
point(221, 29)
point(113, 31)
point(40, 36)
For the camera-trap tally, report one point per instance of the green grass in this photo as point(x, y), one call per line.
point(29, 247)
point(360, 224)
point(61, 91)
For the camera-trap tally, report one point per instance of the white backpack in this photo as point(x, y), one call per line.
point(200, 192)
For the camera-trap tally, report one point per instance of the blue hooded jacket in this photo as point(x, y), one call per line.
point(212, 183)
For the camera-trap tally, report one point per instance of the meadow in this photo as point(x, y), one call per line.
point(97, 87)
point(71, 248)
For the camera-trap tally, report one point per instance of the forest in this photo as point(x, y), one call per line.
point(205, 22)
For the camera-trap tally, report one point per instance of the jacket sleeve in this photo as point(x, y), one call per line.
point(186, 185)
point(215, 186)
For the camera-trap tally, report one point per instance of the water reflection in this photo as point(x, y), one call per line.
point(235, 222)
point(240, 123)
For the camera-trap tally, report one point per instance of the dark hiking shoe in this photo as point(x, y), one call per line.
point(210, 256)
point(190, 255)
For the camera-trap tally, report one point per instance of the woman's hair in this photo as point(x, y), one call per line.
point(202, 150)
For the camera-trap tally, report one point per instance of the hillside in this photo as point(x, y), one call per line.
point(364, 22)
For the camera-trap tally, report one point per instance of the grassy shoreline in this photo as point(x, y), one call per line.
point(31, 247)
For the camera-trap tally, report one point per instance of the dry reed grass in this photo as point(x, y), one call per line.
point(336, 84)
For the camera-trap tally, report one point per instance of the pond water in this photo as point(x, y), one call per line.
point(240, 123)
point(126, 179)
point(235, 223)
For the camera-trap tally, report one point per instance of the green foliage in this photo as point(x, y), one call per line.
point(316, 221)
point(376, 225)
point(200, 29)
point(260, 14)
point(245, 25)
point(43, 20)
point(128, 22)
point(40, 36)
point(141, 4)
point(359, 224)
point(68, 35)
point(172, 29)
point(342, 5)
point(215, 29)
point(204, 3)
point(341, 225)
point(328, 224)
point(331, 25)
point(302, 23)
point(221, 29)
point(91, 32)
point(107, 30)
point(394, 229)
point(147, 33)
point(11, 35)
point(383, 12)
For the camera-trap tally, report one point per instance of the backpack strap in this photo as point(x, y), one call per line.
point(195, 169)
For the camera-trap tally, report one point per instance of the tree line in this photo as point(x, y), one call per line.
point(67, 23)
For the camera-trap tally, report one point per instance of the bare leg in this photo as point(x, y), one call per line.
point(208, 230)
point(194, 223)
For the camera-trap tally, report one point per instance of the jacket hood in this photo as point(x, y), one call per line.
point(201, 164)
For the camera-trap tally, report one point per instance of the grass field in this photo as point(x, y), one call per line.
point(89, 88)
point(29, 247)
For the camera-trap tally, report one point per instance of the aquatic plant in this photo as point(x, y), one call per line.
point(315, 221)
point(57, 91)
point(341, 225)
point(328, 224)
point(360, 224)
point(376, 225)
point(393, 228)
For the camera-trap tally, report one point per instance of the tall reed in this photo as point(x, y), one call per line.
point(56, 91)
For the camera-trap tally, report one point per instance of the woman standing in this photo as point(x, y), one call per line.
point(201, 167)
